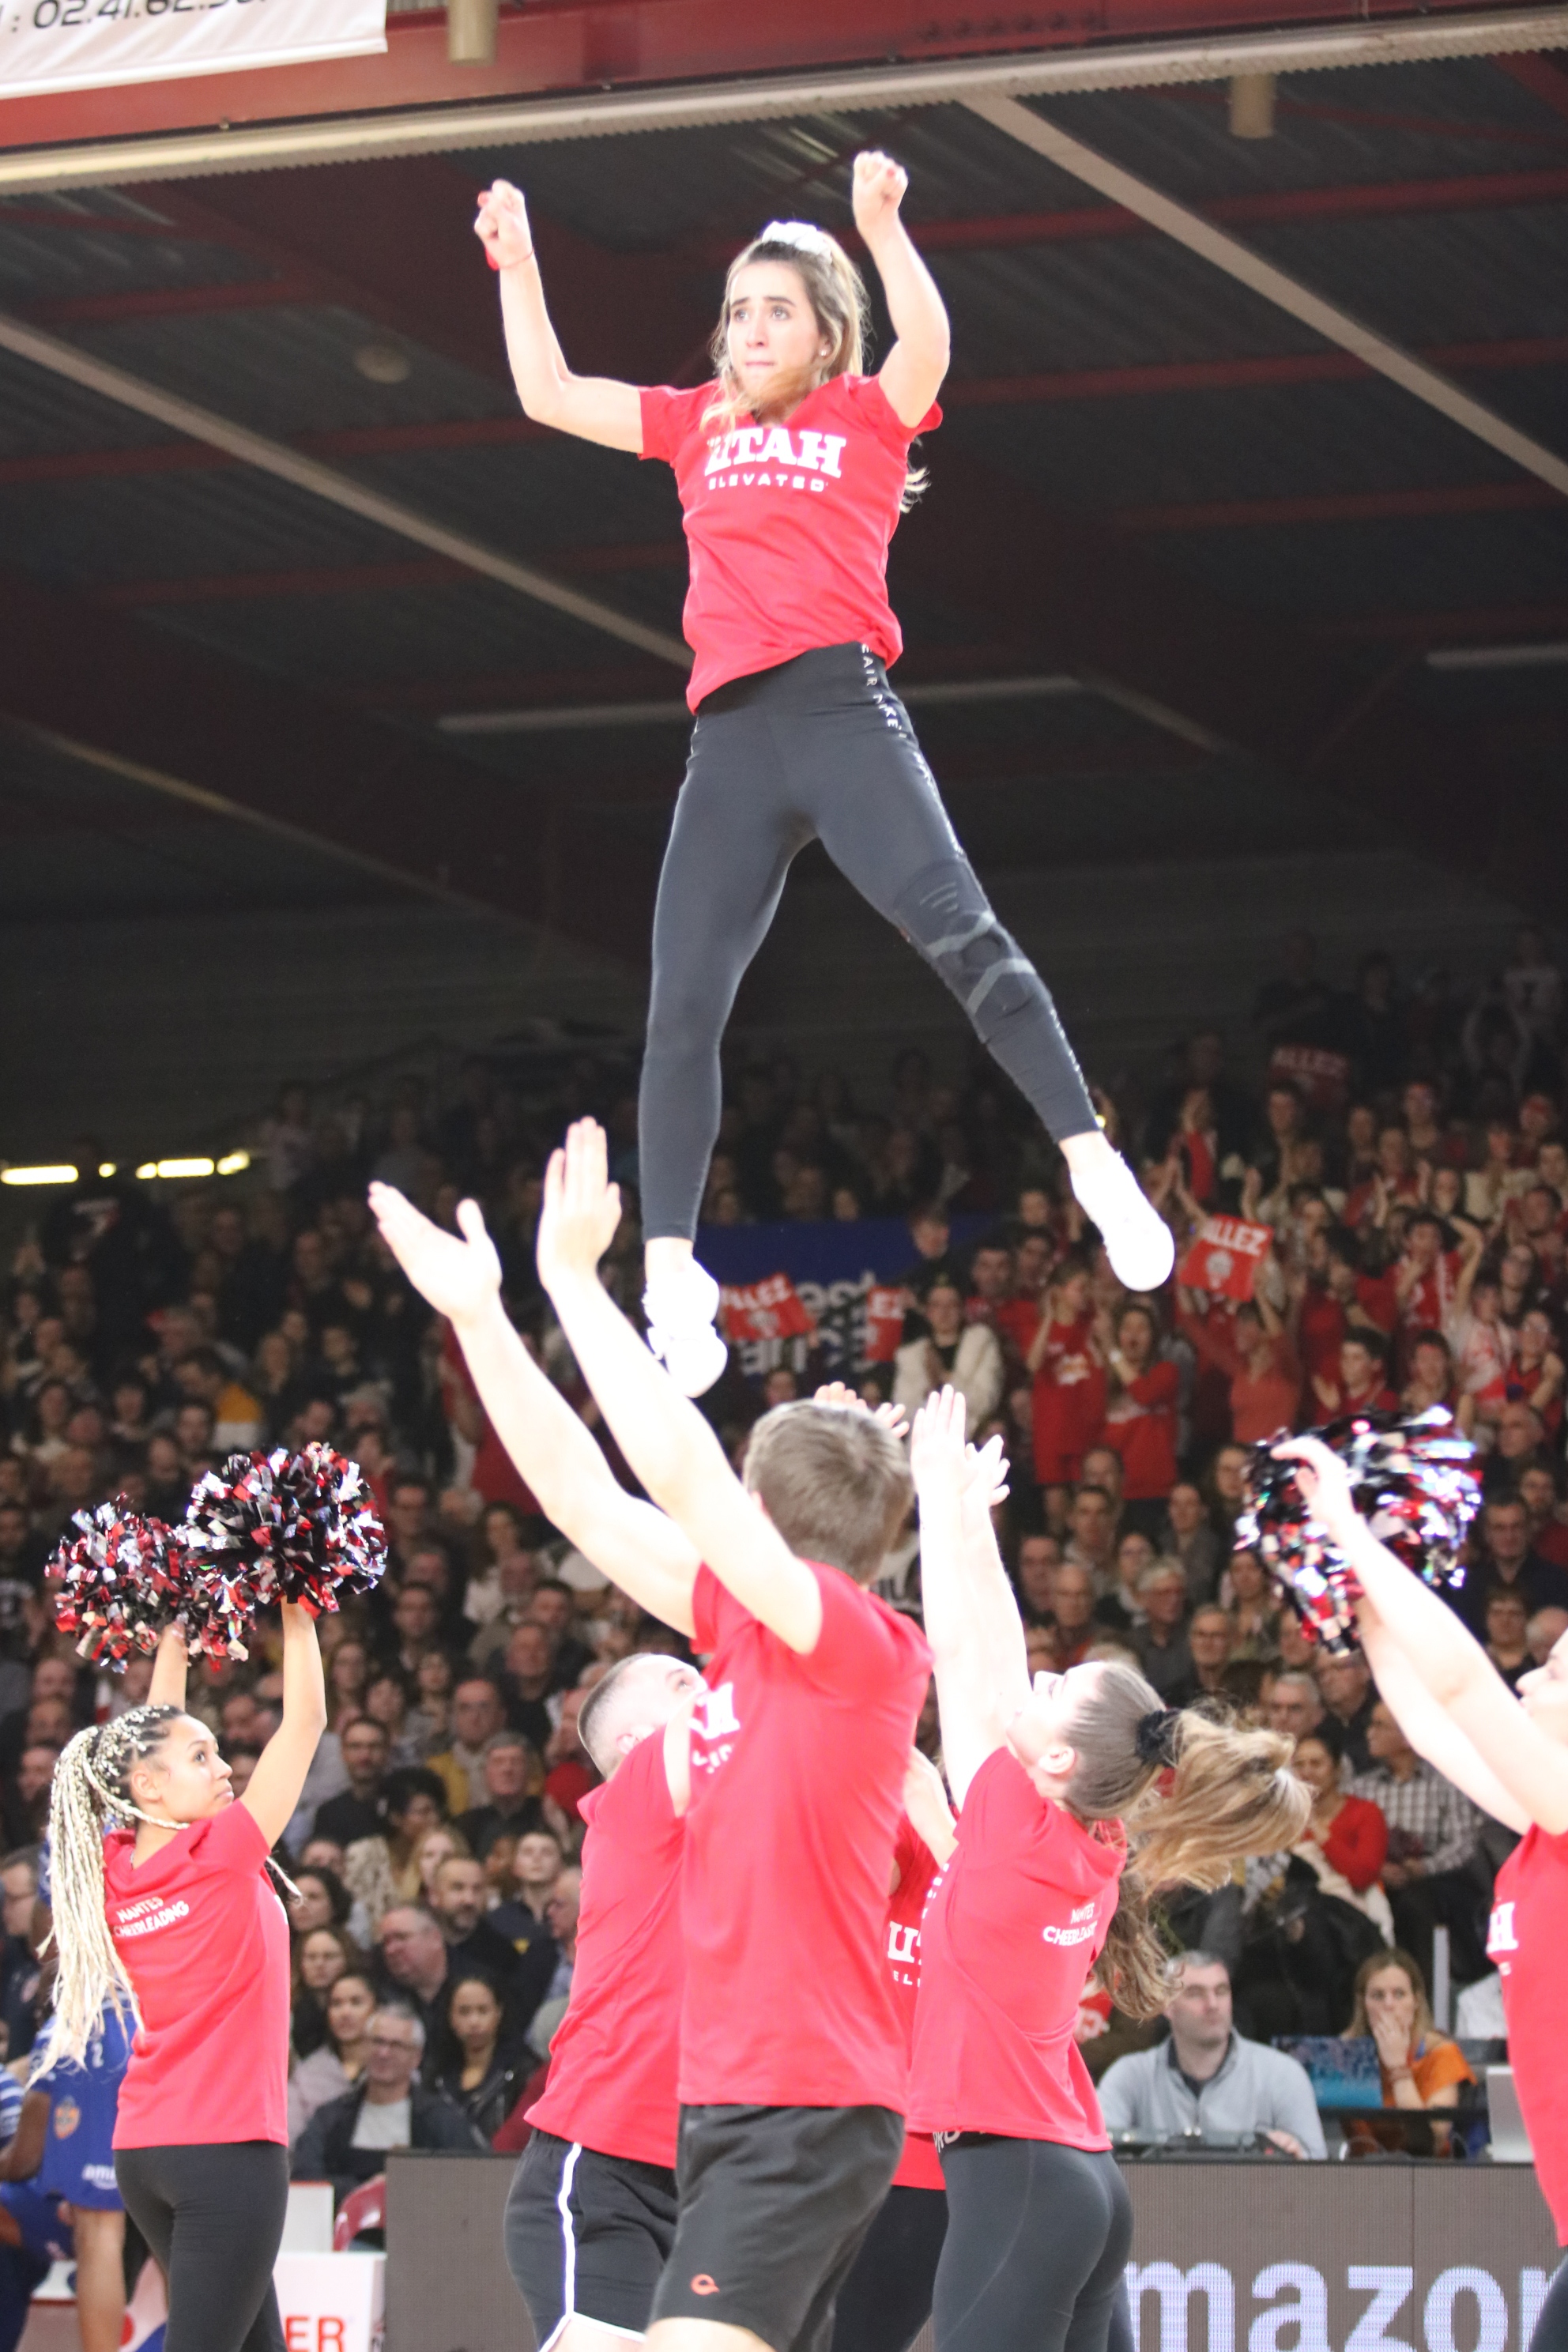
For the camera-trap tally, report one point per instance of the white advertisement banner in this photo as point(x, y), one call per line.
point(59, 44)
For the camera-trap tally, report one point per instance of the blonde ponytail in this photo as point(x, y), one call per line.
point(90, 1796)
point(1230, 1792)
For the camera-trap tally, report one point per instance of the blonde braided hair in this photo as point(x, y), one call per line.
point(92, 1795)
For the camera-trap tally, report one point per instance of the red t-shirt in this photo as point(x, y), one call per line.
point(1141, 1429)
point(1068, 1402)
point(613, 2062)
point(918, 2167)
point(1525, 1943)
point(1323, 1326)
point(1013, 1927)
point(797, 1771)
point(206, 1943)
point(787, 525)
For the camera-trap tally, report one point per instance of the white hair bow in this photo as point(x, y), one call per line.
point(803, 234)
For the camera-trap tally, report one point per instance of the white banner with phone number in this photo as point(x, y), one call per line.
point(59, 44)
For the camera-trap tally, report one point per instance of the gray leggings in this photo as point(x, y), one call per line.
point(821, 749)
point(1036, 2255)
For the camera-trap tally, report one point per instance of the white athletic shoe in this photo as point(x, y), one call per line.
point(680, 1308)
point(1137, 1239)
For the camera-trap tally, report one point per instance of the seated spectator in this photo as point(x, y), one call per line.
point(319, 1959)
point(357, 1812)
point(956, 1353)
point(1161, 1641)
point(1345, 1842)
point(1120, 1605)
point(1186, 1535)
point(1206, 2079)
point(528, 1682)
point(1092, 1534)
point(438, 1845)
point(20, 1972)
point(1537, 1491)
point(1209, 1639)
point(1293, 1705)
point(477, 1716)
point(1142, 1392)
point(1545, 1629)
point(508, 1769)
point(1508, 1635)
point(429, 1725)
point(1420, 2068)
point(554, 1607)
point(348, 2141)
point(537, 1861)
point(1434, 1873)
point(560, 1914)
point(388, 1700)
point(570, 1770)
point(413, 1964)
point(1038, 1559)
point(383, 1869)
point(472, 2063)
point(508, 1570)
point(1255, 1613)
point(416, 1628)
point(1507, 1560)
point(459, 1901)
point(1344, 1686)
point(1072, 1613)
point(337, 2061)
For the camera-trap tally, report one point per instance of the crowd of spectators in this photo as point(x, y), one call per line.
point(1398, 1157)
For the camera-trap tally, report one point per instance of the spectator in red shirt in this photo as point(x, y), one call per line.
point(1141, 1418)
point(1265, 1376)
point(1537, 1491)
point(1362, 1386)
point(1069, 1376)
point(1431, 1375)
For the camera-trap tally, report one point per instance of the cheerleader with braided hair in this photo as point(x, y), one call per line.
point(165, 1910)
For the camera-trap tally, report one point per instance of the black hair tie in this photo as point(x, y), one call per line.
point(1155, 1736)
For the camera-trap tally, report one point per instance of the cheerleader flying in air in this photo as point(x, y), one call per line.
point(1509, 1756)
point(793, 466)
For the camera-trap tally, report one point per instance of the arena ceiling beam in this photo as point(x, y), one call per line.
point(212, 734)
point(624, 61)
point(1189, 228)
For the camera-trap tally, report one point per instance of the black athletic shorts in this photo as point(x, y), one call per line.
point(586, 2234)
point(774, 2205)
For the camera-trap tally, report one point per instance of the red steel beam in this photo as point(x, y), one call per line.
point(1331, 505)
point(575, 45)
point(1543, 77)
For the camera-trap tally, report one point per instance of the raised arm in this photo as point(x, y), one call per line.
point(669, 1444)
point(167, 1687)
point(1432, 1732)
point(912, 371)
point(595, 408)
point(636, 1546)
point(963, 1621)
point(1531, 1768)
point(273, 1796)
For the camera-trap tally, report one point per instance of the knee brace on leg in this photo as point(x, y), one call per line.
point(945, 913)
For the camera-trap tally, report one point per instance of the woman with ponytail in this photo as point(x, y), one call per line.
point(1076, 1796)
point(164, 1912)
point(793, 467)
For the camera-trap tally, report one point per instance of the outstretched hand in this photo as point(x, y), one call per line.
point(582, 1207)
point(986, 1485)
point(459, 1277)
point(838, 1392)
point(937, 1445)
point(501, 226)
point(877, 192)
